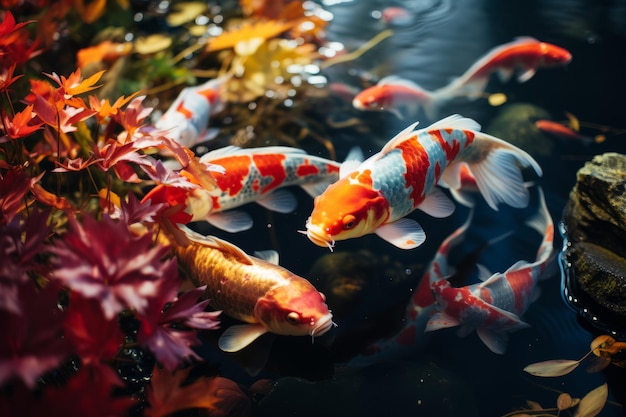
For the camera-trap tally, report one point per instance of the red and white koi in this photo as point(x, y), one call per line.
point(494, 306)
point(523, 55)
point(376, 195)
point(186, 120)
point(400, 97)
point(255, 290)
point(251, 175)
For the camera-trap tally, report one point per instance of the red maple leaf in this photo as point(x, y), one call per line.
point(94, 337)
point(104, 260)
point(32, 341)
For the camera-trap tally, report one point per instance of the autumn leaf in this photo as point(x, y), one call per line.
point(90, 10)
point(7, 78)
point(74, 85)
point(104, 51)
point(558, 367)
point(20, 125)
point(246, 32)
point(167, 394)
point(592, 403)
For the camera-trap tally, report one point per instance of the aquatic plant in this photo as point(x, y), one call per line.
point(588, 406)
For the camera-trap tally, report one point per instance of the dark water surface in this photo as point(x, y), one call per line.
point(451, 375)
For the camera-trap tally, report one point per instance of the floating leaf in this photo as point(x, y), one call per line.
point(574, 123)
point(497, 99)
point(558, 367)
point(246, 32)
point(592, 403)
point(152, 44)
point(185, 12)
point(534, 405)
point(564, 401)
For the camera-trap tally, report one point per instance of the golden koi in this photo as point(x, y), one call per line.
point(259, 292)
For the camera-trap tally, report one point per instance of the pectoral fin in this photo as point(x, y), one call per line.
point(437, 204)
point(403, 233)
point(230, 221)
point(441, 321)
point(239, 336)
point(496, 342)
point(281, 201)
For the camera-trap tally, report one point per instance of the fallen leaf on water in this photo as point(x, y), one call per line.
point(574, 123)
point(247, 31)
point(152, 44)
point(558, 367)
point(592, 403)
point(564, 401)
point(185, 12)
point(497, 99)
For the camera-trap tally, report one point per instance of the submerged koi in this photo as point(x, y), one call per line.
point(255, 290)
point(376, 195)
point(398, 95)
point(494, 306)
point(562, 131)
point(525, 55)
point(251, 175)
point(187, 118)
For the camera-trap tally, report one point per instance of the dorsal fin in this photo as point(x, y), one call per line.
point(217, 243)
point(405, 134)
point(455, 121)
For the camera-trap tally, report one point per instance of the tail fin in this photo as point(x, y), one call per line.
point(496, 167)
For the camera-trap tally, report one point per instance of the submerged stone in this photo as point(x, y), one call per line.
point(594, 254)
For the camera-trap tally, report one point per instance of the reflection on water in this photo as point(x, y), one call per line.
point(443, 40)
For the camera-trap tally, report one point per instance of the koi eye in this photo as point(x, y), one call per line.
point(348, 221)
point(293, 318)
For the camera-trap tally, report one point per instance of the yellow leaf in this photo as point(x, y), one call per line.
point(592, 403)
point(185, 12)
point(564, 401)
point(246, 32)
point(574, 123)
point(90, 11)
point(497, 99)
point(557, 367)
point(152, 44)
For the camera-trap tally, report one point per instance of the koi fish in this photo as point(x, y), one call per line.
point(561, 131)
point(398, 96)
point(376, 195)
point(523, 55)
point(255, 290)
point(494, 306)
point(186, 120)
point(251, 175)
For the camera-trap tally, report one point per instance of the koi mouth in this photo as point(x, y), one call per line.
point(323, 325)
point(317, 237)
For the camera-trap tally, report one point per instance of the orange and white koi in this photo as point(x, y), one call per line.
point(250, 175)
point(493, 307)
point(255, 290)
point(376, 195)
point(186, 120)
point(398, 96)
point(523, 55)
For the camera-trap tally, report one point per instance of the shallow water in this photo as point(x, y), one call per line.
point(442, 40)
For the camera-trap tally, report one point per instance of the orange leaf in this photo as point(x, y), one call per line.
point(90, 11)
point(246, 32)
point(167, 394)
point(104, 51)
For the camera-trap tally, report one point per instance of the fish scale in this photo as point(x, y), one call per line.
point(231, 286)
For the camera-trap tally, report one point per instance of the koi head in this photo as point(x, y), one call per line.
point(554, 55)
point(389, 93)
point(349, 208)
point(296, 309)
point(373, 98)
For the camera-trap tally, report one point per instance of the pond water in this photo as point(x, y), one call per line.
point(448, 375)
